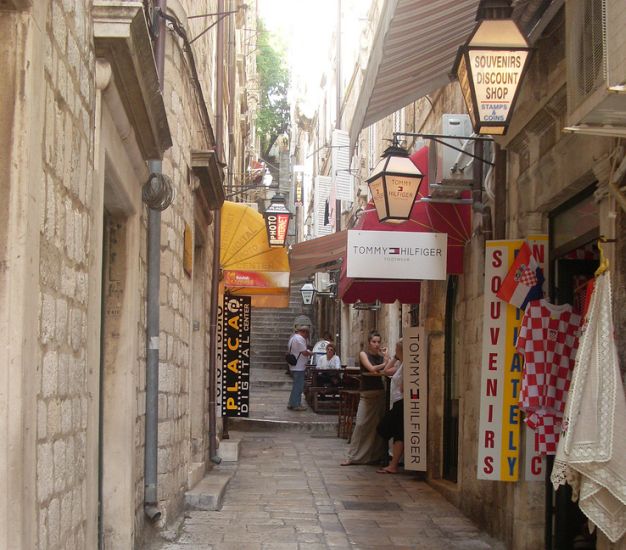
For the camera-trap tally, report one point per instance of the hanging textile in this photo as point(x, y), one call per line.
point(591, 454)
point(547, 341)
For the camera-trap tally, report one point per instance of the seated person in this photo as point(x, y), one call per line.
point(328, 361)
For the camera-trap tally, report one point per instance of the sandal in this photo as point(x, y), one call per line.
point(385, 471)
point(348, 463)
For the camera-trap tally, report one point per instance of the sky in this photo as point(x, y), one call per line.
point(307, 27)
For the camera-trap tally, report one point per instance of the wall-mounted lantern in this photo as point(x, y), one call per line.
point(394, 184)
point(308, 292)
point(490, 67)
point(277, 218)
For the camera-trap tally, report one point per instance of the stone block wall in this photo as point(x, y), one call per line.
point(55, 217)
point(181, 103)
point(67, 153)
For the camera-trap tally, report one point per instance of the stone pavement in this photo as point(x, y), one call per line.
point(288, 491)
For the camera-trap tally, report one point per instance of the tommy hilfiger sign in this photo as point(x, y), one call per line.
point(396, 255)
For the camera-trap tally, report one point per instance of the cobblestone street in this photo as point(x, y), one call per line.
point(288, 492)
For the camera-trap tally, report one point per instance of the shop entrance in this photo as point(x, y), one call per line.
point(574, 257)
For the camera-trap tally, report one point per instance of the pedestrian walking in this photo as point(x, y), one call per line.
point(298, 348)
point(366, 447)
point(392, 424)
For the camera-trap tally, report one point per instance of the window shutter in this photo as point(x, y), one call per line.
point(320, 195)
point(342, 180)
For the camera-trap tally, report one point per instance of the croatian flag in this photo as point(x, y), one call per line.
point(523, 281)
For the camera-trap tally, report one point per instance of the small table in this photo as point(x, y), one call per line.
point(326, 399)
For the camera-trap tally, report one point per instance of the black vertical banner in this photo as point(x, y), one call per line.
point(236, 355)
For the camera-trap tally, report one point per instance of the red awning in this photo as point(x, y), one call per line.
point(386, 291)
point(434, 217)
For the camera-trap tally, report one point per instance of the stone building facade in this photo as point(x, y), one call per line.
point(82, 116)
point(543, 172)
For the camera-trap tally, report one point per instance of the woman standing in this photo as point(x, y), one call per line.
point(392, 425)
point(365, 444)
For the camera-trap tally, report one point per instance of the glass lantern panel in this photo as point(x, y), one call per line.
point(496, 75)
point(498, 33)
point(402, 165)
point(401, 192)
point(464, 81)
point(377, 188)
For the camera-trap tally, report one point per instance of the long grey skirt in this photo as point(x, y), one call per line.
point(366, 445)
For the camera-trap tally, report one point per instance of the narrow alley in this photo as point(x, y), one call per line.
point(249, 248)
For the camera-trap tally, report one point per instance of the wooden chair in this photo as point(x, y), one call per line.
point(348, 404)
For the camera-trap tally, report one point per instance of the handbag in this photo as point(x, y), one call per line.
point(291, 358)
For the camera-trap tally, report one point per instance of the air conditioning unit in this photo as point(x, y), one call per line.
point(596, 66)
point(451, 166)
point(322, 282)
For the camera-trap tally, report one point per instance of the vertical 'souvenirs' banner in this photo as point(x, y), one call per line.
point(500, 419)
point(236, 355)
point(415, 381)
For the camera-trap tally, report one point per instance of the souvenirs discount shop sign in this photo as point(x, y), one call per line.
point(396, 255)
point(235, 371)
point(415, 383)
point(499, 431)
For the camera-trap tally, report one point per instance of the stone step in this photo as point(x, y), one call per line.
point(274, 375)
point(267, 425)
point(228, 450)
point(208, 493)
point(270, 344)
point(268, 360)
point(257, 363)
point(272, 384)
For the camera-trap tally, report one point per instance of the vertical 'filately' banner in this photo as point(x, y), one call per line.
point(236, 355)
point(500, 419)
point(415, 381)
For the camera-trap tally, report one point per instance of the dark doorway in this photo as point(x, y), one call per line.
point(574, 258)
point(451, 400)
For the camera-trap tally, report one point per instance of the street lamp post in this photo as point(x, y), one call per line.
point(490, 67)
point(394, 184)
point(277, 218)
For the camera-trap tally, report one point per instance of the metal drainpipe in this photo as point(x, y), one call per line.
point(151, 508)
point(217, 235)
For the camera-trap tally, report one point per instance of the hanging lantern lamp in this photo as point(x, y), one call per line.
point(277, 218)
point(394, 184)
point(490, 67)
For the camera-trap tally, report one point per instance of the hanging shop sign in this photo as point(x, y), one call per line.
point(298, 182)
point(500, 433)
point(396, 255)
point(235, 391)
point(255, 279)
point(277, 217)
point(415, 382)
